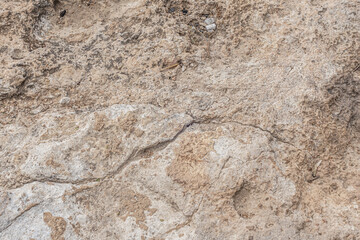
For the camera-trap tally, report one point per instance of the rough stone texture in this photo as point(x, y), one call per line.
point(129, 120)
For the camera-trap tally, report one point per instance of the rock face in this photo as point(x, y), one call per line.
point(128, 119)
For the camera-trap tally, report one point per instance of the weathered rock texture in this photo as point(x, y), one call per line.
point(130, 120)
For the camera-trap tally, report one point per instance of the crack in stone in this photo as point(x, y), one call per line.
point(134, 156)
point(137, 153)
point(172, 204)
point(18, 216)
point(272, 134)
point(222, 167)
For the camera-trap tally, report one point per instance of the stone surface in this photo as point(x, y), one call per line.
point(124, 120)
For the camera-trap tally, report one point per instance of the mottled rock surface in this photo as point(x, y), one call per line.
point(130, 120)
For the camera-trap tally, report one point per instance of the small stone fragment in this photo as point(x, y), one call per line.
point(211, 27)
point(62, 13)
point(209, 21)
point(64, 100)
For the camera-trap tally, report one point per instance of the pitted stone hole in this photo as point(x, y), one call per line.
point(242, 201)
point(254, 199)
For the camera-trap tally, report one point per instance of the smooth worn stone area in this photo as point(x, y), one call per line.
point(193, 120)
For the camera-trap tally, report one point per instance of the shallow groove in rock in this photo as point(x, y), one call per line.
point(19, 215)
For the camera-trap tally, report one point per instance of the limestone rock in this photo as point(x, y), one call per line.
point(130, 120)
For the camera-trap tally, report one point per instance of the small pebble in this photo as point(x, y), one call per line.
point(37, 110)
point(211, 27)
point(209, 21)
point(62, 13)
point(64, 100)
point(172, 10)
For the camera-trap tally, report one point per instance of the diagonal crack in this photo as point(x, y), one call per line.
point(168, 200)
point(221, 169)
point(137, 153)
point(52, 180)
point(264, 130)
point(18, 216)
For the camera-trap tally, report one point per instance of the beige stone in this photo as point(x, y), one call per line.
point(129, 120)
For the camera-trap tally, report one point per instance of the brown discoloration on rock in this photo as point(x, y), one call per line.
point(100, 120)
point(189, 167)
point(57, 225)
point(52, 163)
point(135, 205)
point(127, 122)
point(77, 228)
point(123, 201)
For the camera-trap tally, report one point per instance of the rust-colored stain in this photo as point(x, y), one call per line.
point(57, 225)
